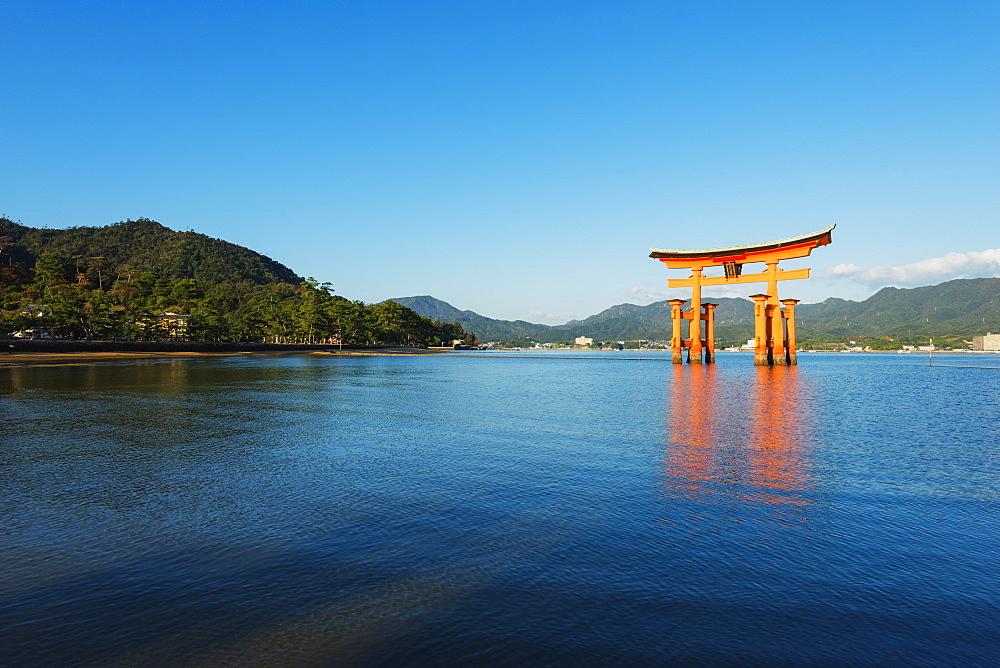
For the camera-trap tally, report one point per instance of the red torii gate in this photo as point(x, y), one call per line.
point(774, 327)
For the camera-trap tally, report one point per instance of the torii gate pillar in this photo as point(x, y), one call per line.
point(694, 331)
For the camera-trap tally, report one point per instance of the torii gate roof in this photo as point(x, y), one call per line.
point(745, 253)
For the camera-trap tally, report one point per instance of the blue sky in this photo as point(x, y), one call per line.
point(517, 158)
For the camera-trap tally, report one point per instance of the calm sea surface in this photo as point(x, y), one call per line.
point(316, 510)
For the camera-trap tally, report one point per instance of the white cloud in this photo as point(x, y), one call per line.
point(975, 264)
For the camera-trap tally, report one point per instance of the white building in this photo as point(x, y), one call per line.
point(583, 341)
point(989, 342)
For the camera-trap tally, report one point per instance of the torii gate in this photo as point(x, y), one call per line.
point(774, 327)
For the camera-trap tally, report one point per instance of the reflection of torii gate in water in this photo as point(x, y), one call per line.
point(774, 327)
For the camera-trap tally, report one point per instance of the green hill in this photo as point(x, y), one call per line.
point(960, 308)
point(147, 246)
point(138, 280)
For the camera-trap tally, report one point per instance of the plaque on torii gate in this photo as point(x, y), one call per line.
point(774, 326)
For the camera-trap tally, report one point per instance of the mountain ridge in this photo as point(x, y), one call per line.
point(961, 307)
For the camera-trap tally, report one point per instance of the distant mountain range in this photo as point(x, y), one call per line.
point(957, 309)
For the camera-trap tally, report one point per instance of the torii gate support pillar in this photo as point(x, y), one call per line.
point(790, 343)
point(710, 333)
point(676, 339)
point(761, 350)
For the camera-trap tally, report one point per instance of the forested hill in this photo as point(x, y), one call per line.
point(961, 308)
point(138, 280)
point(147, 246)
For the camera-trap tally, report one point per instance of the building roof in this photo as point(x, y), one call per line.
point(812, 240)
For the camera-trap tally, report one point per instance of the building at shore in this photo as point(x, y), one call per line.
point(989, 342)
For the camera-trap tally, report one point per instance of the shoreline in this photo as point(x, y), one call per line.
point(87, 352)
point(90, 352)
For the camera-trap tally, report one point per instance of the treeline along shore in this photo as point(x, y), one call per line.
point(138, 282)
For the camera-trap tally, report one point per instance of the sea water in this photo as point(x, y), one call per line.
point(588, 509)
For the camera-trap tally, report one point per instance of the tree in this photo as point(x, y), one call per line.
point(49, 270)
point(207, 324)
point(95, 270)
point(450, 332)
point(102, 319)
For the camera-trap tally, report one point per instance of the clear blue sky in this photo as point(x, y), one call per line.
point(517, 158)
